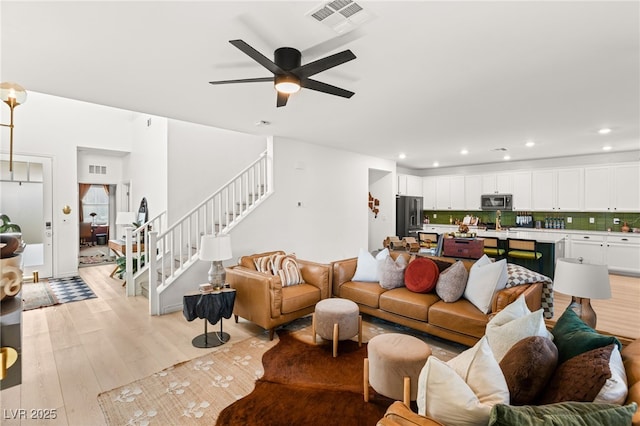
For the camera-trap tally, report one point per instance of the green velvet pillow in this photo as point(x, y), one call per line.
point(573, 337)
point(562, 414)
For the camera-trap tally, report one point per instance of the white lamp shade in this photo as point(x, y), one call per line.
point(125, 218)
point(578, 279)
point(215, 248)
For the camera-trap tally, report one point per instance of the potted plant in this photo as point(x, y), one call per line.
point(10, 229)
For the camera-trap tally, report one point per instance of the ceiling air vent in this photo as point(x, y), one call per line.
point(341, 16)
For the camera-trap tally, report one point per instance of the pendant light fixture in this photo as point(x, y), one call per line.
point(13, 95)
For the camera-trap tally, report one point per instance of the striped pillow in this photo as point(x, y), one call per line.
point(286, 267)
point(264, 264)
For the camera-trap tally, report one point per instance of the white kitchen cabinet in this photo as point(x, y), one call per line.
point(557, 190)
point(497, 183)
point(521, 182)
point(625, 189)
point(590, 247)
point(612, 188)
point(450, 193)
point(621, 253)
point(410, 185)
point(473, 192)
point(429, 192)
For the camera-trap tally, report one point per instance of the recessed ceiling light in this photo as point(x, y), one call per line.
point(262, 123)
point(529, 144)
point(464, 152)
point(506, 157)
point(402, 156)
point(436, 164)
point(607, 148)
point(604, 131)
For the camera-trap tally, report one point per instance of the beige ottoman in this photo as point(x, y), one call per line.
point(337, 319)
point(393, 359)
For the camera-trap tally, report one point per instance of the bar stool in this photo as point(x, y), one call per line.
point(492, 249)
point(524, 250)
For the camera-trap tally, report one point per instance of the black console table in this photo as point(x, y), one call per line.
point(212, 307)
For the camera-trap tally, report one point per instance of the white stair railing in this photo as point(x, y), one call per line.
point(177, 246)
point(140, 253)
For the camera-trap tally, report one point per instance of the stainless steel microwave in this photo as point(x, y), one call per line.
point(496, 202)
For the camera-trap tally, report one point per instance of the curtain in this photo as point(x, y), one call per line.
point(106, 189)
point(83, 188)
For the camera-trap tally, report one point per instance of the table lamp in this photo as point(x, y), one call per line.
point(126, 219)
point(582, 281)
point(215, 249)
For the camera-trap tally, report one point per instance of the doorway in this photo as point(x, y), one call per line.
point(26, 198)
point(96, 219)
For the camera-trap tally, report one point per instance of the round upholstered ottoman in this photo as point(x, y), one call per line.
point(393, 359)
point(337, 319)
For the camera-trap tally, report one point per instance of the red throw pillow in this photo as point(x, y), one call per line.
point(421, 275)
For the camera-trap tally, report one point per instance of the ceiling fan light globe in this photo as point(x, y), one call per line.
point(287, 84)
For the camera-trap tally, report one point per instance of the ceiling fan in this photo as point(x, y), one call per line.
point(288, 73)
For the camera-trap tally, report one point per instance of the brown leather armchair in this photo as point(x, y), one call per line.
point(398, 414)
point(261, 298)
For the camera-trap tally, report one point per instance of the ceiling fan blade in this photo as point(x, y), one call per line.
point(323, 64)
point(325, 88)
point(282, 99)
point(257, 56)
point(244, 80)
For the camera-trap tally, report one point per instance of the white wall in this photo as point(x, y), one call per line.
point(55, 127)
point(112, 163)
point(201, 159)
point(332, 222)
point(146, 167)
point(381, 186)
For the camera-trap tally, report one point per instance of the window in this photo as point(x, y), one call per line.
point(96, 201)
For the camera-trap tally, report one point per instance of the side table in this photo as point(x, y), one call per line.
point(212, 307)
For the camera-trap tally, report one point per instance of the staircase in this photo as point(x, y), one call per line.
point(177, 246)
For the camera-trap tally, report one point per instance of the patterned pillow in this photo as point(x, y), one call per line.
point(391, 272)
point(452, 282)
point(286, 267)
point(580, 378)
point(264, 264)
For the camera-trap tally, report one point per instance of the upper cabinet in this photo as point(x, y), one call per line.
point(410, 185)
point(612, 188)
point(521, 190)
point(559, 190)
point(429, 192)
point(473, 190)
point(450, 193)
point(497, 183)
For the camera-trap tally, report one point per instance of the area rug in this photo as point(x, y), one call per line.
point(304, 384)
point(37, 295)
point(196, 392)
point(72, 289)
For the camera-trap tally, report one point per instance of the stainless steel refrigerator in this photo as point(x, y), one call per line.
point(408, 216)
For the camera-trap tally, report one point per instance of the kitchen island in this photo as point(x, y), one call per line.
point(550, 244)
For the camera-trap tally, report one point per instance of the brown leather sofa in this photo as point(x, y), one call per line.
point(399, 414)
point(460, 321)
point(261, 298)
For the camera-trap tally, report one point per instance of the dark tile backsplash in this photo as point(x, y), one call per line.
point(580, 220)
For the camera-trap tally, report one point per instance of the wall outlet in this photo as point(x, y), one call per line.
point(435, 215)
point(592, 220)
point(569, 219)
point(616, 221)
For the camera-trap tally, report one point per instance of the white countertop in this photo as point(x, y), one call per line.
point(527, 231)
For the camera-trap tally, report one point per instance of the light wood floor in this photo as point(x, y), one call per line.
point(74, 351)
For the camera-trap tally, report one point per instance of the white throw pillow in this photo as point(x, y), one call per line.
point(444, 396)
point(485, 279)
point(367, 267)
point(502, 337)
point(615, 388)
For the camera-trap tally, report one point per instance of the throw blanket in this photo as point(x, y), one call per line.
point(518, 275)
